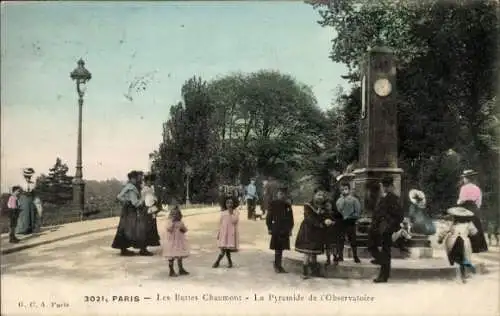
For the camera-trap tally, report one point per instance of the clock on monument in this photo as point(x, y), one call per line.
point(382, 87)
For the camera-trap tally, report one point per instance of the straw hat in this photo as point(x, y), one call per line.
point(459, 211)
point(469, 173)
point(417, 197)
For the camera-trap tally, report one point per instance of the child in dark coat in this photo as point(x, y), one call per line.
point(280, 223)
point(311, 233)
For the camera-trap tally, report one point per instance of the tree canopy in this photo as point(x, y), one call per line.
point(235, 127)
point(447, 80)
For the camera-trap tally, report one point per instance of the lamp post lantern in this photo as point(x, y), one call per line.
point(81, 76)
point(189, 172)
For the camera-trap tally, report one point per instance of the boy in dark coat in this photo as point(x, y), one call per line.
point(386, 220)
point(280, 223)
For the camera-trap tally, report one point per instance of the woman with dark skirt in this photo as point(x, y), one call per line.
point(470, 197)
point(311, 233)
point(148, 229)
point(127, 231)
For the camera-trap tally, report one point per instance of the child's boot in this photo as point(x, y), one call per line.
point(217, 262)
point(229, 260)
point(305, 271)
point(171, 268)
point(182, 271)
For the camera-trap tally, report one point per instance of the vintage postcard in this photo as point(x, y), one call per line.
point(326, 157)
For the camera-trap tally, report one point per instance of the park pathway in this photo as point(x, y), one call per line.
point(71, 271)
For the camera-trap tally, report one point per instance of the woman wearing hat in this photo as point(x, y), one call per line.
point(470, 197)
point(456, 238)
point(126, 233)
point(420, 220)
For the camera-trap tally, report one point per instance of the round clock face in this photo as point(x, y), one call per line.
point(382, 87)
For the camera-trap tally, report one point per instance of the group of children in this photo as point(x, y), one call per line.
point(175, 245)
point(323, 230)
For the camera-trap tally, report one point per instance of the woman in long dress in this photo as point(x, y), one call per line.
point(421, 222)
point(147, 225)
point(27, 217)
point(470, 197)
point(126, 233)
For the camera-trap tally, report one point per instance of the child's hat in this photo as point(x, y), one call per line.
point(417, 197)
point(459, 211)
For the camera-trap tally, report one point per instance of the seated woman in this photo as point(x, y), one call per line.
point(421, 222)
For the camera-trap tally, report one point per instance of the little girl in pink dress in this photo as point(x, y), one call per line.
point(174, 242)
point(228, 236)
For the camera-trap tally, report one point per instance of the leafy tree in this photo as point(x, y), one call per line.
point(56, 186)
point(238, 126)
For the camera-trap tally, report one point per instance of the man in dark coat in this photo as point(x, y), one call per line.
point(385, 221)
point(280, 223)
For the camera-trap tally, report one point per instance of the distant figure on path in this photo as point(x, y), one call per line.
point(279, 223)
point(126, 233)
point(386, 220)
point(251, 197)
point(470, 197)
point(228, 238)
point(174, 242)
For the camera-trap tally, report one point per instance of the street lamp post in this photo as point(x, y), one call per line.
point(81, 76)
point(188, 171)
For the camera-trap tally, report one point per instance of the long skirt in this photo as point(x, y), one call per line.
point(26, 221)
point(147, 230)
point(127, 232)
point(478, 241)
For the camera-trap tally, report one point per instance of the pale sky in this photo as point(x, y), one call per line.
point(167, 41)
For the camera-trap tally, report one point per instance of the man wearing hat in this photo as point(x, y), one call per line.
point(386, 220)
point(280, 223)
